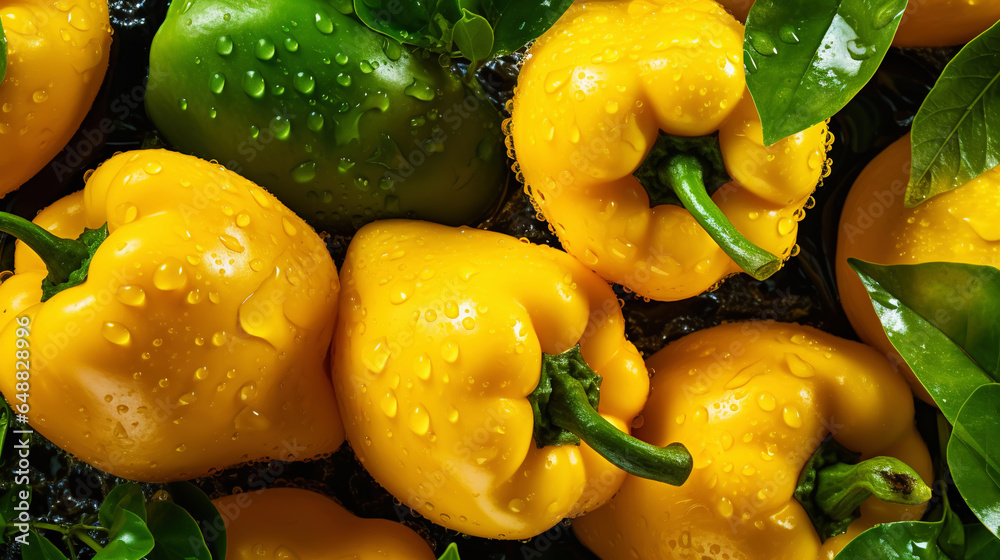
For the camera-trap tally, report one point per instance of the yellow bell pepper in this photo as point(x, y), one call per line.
point(466, 364)
point(961, 226)
point(614, 124)
point(57, 54)
point(926, 23)
point(753, 401)
point(198, 337)
point(285, 523)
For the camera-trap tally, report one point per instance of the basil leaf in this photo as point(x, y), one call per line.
point(450, 553)
point(909, 540)
point(954, 137)
point(948, 373)
point(176, 533)
point(516, 22)
point(204, 512)
point(127, 497)
point(129, 536)
point(474, 38)
point(980, 543)
point(424, 23)
point(40, 548)
point(805, 60)
point(3, 53)
point(974, 455)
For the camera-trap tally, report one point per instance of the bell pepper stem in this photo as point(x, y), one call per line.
point(842, 488)
point(684, 175)
point(570, 409)
point(61, 256)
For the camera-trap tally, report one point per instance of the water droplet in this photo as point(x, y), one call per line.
point(281, 127)
point(40, 96)
point(392, 49)
point(859, 50)
point(291, 44)
point(248, 392)
point(788, 34)
point(725, 507)
point(231, 243)
point(792, 417)
point(116, 333)
point(304, 172)
point(763, 44)
point(422, 367)
point(376, 356)
point(253, 84)
point(324, 23)
point(419, 90)
point(264, 49)
point(420, 421)
point(365, 67)
point(766, 402)
point(219, 338)
point(289, 227)
point(119, 431)
point(224, 45)
point(798, 366)
point(251, 420)
point(341, 59)
point(243, 219)
point(449, 351)
point(170, 275)
point(515, 505)
point(885, 15)
point(315, 121)
point(344, 79)
point(389, 404)
point(786, 226)
point(131, 295)
point(304, 82)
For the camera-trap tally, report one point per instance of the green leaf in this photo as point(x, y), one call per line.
point(474, 38)
point(127, 497)
point(517, 22)
point(3, 53)
point(40, 548)
point(974, 455)
point(204, 512)
point(177, 534)
point(954, 137)
point(5, 415)
point(8, 514)
point(943, 539)
point(424, 23)
point(451, 553)
point(805, 60)
point(129, 538)
point(948, 373)
point(980, 543)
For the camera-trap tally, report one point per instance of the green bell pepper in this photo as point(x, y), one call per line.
point(343, 125)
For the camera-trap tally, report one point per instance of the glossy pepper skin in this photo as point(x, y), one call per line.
point(57, 54)
point(339, 122)
point(595, 92)
point(439, 343)
point(752, 401)
point(282, 523)
point(962, 226)
point(926, 23)
point(199, 337)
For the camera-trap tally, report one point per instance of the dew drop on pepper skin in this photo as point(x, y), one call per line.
point(422, 367)
point(449, 351)
point(170, 275)
point(116, 333)
point(389, 404)
point(133, 296)
point(420, 421)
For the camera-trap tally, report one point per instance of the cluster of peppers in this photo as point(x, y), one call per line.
point(188, 319)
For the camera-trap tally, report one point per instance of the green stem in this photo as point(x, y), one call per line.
point(51, 527)
point(570, 409)
point(684, 175)
point(61, 256)
point(842, 488)
point(85, 539)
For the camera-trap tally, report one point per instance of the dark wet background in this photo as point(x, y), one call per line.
point(66, 490)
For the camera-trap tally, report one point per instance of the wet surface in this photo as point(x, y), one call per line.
point(68, 491)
